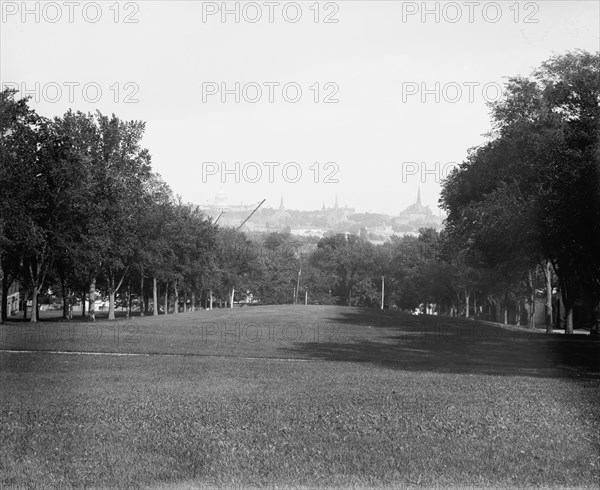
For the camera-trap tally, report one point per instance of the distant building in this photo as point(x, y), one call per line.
point(230, 214)
point(308, 232)
point(336, 216)
point(417, 216)
point(12, 298)
point(281, 219)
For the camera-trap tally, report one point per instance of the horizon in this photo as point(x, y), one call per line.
point(229, 202)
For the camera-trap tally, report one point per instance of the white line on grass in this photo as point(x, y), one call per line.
point(138, 354)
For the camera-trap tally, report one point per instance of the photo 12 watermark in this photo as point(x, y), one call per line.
point(438, 172)
point(440, 332)
point(427, 171)
point(69, 12)
point(270, 12)
point(270, 92)
point(271, 172)
point(470, 12)
point(452, 92)
point(255, 332)
point(53, 335)
point(72, 92)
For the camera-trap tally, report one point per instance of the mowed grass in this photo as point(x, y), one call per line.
point(297, 397)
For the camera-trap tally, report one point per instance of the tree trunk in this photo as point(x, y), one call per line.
point(505, 313)
point(25, 298)
point(474, 306)
point(567, 308)
point(232, 295)
point(532, 313)
point(466, 304)
point(166, 298)
point(210, 301)
point(154, 297)
point(548, 274)
point(142, 302)
point(34, 305)
point(37, 276)
point(595, 328)
point(92, 301)
point(71, 298)
point(561, 317)
point(63, 288)
point(111, 304)
point(569, 321)
point(83, 304)
point(111, 300)
point(5, 286)
point(176, 306)
point(128, 314)
point(193, 304)
point(112, 292)
point(531, 300)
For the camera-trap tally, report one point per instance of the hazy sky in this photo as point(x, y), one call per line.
point(166, 63)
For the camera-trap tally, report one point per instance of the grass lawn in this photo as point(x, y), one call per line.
point(297, 397)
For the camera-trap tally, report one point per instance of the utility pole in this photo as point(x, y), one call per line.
point(297, 286)
point(382, 290)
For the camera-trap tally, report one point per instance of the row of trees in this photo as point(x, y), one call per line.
point(527, 202)
point(81, 210)
point(83, 214)
point(523, 216)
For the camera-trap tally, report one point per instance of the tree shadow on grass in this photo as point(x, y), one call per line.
point(452, 345)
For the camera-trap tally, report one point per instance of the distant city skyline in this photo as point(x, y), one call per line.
point(335, 217)
point(328, 201)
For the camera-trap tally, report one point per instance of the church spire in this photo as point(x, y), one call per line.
point(281, 207)
point(419, 196)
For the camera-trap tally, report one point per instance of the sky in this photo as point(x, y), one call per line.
point(366, 100)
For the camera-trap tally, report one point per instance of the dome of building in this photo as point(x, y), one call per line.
point(221, 198)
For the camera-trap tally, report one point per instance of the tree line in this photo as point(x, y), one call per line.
point(82, 213)
point(527, 202)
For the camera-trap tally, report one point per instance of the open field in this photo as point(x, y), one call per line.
point(297, 397)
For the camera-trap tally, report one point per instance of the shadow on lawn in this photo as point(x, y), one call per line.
point(452, 345)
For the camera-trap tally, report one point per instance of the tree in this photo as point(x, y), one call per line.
point(365, 293)
point(532, 193)
point(121, 169)
point(31, 196)
point(15, 118)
